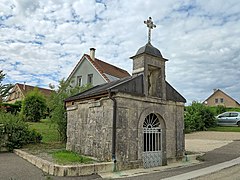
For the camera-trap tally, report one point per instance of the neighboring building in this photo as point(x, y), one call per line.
point(19, 92)
point(220, 98)
point(94, 71)
point(135, 121)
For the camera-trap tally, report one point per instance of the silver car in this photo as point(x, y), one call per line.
point(229, 118)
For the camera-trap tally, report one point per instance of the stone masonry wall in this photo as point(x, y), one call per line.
point(89, 129)
point(130, 108)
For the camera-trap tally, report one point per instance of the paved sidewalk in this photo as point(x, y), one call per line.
point(142, 171)
point(205, 171)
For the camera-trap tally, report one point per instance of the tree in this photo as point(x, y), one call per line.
point(33, 106)
point(4, 88)
point(56, 105)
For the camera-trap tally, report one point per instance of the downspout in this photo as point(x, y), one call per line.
point(114, 130)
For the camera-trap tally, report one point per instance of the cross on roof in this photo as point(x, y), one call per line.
point(150, 26)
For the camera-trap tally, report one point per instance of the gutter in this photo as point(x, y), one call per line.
point(114, 130)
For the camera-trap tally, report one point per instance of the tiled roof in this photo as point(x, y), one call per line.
point(45, 92)
point(218, 90)
point(103, 68)
point(109, 69)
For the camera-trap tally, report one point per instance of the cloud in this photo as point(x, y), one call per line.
point(25, 7)
point(41, 41)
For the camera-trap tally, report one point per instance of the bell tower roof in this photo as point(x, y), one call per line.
point(149, 49)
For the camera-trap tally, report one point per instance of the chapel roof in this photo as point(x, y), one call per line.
point(149, 49)
point(130, 85)
point(121, 85)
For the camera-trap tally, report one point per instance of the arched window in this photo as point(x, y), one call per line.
point(152, 133)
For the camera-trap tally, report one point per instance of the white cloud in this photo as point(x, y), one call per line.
point(25, 7)
point(41, 41)
point(85, 9)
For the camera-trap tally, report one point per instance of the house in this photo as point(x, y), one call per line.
point(218, 97)
point(136, 121)
point(91, 70)
point(19, 92)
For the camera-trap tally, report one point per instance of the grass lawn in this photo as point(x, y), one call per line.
point(51, 148)
point(66, 157)
point(225, 129)
point(50, 138)
point(47, 129)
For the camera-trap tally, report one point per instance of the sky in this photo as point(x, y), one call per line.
point(41, 41)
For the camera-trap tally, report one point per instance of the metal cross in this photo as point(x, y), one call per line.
point(150, 26)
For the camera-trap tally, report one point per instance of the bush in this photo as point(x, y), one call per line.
point(34, 106)
point(220, 109)
point(15, 132)
point(12, 108)
point(198, 117)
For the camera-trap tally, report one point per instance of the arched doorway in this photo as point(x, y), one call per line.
point(152, 141)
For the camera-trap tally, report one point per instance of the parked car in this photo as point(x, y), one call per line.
point(229, 118)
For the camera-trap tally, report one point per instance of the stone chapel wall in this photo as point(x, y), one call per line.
point(89, 129)
point(130, 108)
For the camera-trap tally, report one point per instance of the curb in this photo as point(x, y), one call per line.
point(65, 170)
point(205, 171)
point(192, 157)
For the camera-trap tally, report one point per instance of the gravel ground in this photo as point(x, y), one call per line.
point(213, 135)
point(209, 140)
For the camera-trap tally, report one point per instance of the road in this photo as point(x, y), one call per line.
point(12, 167)
point(214, 156)
point(232, 173)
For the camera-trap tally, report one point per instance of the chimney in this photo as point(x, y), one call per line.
point(24, 86)
point(92, 53)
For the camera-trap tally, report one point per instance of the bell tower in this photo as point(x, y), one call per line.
point(149, 62)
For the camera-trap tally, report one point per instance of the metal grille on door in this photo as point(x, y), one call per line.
point(152, 154)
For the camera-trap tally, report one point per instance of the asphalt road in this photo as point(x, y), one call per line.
point(15, 168)
point(12, 167)
point(219, 155)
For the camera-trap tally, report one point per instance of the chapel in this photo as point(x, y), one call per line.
point(136, 121)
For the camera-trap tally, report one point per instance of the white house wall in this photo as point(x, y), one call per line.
point(83, 70)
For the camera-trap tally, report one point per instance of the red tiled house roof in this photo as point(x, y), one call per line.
point(27, 88)
point(106, 68)
point(103, 68)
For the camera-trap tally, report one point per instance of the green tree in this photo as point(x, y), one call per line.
point(33, 106)
point(4, 88)
point(56, 105)
point(198, 117)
